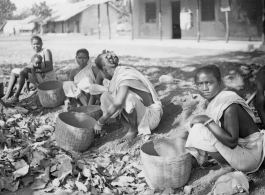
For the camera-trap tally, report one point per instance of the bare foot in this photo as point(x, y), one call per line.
point(224, 170)
point(13, 100)
point(66, 107)
point(4, 99)
point(130, 135)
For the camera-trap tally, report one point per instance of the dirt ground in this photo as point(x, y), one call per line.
point(180, 99)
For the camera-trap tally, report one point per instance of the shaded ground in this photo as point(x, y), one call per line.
point(180, 101)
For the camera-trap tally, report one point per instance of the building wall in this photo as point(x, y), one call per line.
point(87, 22)
point(245, 19)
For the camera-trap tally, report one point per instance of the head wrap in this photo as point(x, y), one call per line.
point(112, 58)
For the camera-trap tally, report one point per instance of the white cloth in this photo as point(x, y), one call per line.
point(246, 157)
point(82, 82)
point(231, 183)
point(148, 117)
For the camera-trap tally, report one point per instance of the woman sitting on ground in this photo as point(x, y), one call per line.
point(227, 132)
point(45, 72)
point(80, 80)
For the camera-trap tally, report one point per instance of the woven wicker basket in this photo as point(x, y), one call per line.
point(166, 163)
point(92, 110)
point(74, 131)
point(51, 93)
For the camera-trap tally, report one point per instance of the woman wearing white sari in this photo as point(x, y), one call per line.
point(80, 80)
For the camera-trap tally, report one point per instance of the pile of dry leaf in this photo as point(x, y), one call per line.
point(30, 157)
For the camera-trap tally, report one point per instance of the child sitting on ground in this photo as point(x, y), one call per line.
point(36, 61)
point(227, 132)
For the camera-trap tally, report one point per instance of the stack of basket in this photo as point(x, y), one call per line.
point(74, 129)
point(166, 163)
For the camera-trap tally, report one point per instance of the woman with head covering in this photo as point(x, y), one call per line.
point(129, 94)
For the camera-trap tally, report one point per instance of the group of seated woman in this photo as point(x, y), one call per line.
point(41, 69)
point(122, 91)
point(226, 132)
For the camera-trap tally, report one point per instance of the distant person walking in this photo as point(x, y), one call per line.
point(45, 73)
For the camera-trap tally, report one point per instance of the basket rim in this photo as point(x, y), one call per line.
point(58, 118)
point(186, 153)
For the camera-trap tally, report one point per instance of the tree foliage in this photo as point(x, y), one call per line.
point(6, 10)
point(26, 12)
point(124, 7)
point(41, 10)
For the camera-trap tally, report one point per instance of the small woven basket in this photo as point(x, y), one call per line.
point(51, 93)
point(92, 110)
point(166, 163)
point(74, 131)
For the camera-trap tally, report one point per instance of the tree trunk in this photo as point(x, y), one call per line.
point(108, 20)
point(131, 15)
point(99, 24)
point(198, 21)
point(227, 26)
point(262, 46)
point(160, 20)
point(41, 29)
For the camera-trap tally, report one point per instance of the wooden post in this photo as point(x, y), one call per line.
point(263, 23)
point(99, 24)
point(160, 20)
point(108, 20)
point(131, 14)
point(227, 26)
point(198, 21)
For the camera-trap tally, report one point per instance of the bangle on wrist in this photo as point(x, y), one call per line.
point(100, 124)
point(208, 122)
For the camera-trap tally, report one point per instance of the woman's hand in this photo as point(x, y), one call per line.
point(97, 128)
point(199, 119)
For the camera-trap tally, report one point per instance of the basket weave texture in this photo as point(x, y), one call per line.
point(92, 110)
point(74, 131)
point(166, 163)
point(51, 94)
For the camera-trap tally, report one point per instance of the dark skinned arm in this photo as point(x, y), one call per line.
point(99, 81)
point(93, 98)
point(230, 133)
point(48, 62)
point(117, 104)
point(72, 75)
point(260, 100)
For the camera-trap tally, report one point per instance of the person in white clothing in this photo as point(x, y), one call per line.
point(77, 89)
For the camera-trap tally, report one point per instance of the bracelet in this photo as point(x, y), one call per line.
point(99, 123)
point(208, 122)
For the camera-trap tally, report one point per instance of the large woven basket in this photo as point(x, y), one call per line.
point(74, 131)
point(92, 110)
point(51, 93)
point(166, 163)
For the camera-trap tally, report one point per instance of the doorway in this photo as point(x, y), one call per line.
point(176, 31)
point(77, 30)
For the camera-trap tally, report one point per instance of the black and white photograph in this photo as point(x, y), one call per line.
point(132, 97)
